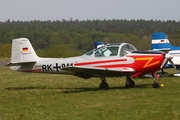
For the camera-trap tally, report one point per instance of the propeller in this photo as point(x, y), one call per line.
point(172, 63)
point(167, 57)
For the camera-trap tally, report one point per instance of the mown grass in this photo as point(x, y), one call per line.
point(4, 59)
point(59, 97)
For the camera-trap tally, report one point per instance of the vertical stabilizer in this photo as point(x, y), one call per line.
point(98, 44)
point(22, 51)
point(160, 41)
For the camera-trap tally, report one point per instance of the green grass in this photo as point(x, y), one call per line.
point(4, 59)
point(59, 97)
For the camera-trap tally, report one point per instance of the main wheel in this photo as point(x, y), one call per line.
point(131, 85)
point(103, 86)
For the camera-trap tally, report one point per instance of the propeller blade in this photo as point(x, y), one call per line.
point(164, 62)
point(172, 63)
point(167, 58)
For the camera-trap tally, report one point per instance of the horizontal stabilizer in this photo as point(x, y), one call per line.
point(19, 63)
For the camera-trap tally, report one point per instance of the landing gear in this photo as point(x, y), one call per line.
point(156, 85)
point(156, 77)
point(104, 85)
point(129, 82)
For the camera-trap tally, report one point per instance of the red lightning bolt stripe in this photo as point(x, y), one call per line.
point(149, 59)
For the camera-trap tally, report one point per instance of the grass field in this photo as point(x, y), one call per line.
point(59, 97)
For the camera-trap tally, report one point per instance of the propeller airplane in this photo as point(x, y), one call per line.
point(111, 60)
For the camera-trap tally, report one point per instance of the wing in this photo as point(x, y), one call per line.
point(119, 69)
point(98, 71)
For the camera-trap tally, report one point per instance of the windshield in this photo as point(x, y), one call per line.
point(90, 53)
point(112, 50)
point(127, 48)
point(104, 51)
point(107, 51)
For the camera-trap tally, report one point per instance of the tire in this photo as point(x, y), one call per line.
point(156, 85)
point(131, 85)
point(103, 86)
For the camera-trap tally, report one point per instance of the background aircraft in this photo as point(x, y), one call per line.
point(98, 44)
point(111, 60)
point(160, 42)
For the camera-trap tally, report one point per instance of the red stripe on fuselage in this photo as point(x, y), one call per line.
point(99, 62)
point(112, 66)
point(35, 70)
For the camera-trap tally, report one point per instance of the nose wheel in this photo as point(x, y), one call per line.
point(156, 77)
point(156, 85)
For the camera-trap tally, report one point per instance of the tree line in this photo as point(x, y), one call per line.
point(73, 37)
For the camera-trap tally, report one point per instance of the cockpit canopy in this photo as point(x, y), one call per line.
point(114, 49)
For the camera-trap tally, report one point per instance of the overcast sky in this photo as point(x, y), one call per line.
point(27, 10)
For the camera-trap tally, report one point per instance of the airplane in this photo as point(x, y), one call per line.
point(110, 60)
point(160, 42)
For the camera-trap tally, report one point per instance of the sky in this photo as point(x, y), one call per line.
point(28, 10)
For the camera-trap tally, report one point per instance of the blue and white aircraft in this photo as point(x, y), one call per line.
point(98, 44)
point(160, 42)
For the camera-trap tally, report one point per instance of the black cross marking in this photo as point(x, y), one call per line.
point(57, 67)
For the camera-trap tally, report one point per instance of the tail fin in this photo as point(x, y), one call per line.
point(98, 44)
point(22, 52)
point(160, 41)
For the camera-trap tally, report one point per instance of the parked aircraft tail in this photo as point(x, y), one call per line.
point(98, 44)
point(22, 52)
point(161, 42)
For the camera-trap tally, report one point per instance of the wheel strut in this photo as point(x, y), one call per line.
point(156, 77)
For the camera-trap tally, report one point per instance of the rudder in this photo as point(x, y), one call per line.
point(22, 51)
point(160, 41)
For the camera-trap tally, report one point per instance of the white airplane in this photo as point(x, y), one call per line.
point(111, 60)
point(160, 42)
